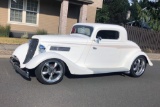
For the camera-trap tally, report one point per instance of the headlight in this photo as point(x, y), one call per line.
point(42, 48)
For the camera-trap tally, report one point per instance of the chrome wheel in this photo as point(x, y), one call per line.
point(50, 71)
point(138, 67)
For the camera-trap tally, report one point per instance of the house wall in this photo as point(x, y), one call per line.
point(73, 16)
point(3, 12)
point(97, 3)
point(92, 9)
point(48, 17)
point(91, 14)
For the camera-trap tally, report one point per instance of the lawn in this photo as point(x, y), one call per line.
point(6, 40)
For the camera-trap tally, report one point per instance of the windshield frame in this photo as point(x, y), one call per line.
point(90, 27)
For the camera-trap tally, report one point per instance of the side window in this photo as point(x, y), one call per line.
point(108, 34)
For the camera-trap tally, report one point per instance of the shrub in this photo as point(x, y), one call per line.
point(41, 32)
point(5, 30)
point(25, 35)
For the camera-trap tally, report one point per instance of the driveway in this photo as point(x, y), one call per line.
point(109, 90)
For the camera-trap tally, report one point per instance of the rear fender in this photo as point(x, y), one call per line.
point(133, 56)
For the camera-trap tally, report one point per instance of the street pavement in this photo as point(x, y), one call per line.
point(107, 90)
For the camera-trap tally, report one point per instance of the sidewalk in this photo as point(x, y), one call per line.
point(7, 50)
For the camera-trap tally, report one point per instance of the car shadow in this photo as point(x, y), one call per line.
point(32, 73)
point(28, 79)
point(71, 76)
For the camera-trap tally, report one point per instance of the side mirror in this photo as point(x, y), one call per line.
point(98, 39)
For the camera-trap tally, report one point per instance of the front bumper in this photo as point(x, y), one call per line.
point(23, 72)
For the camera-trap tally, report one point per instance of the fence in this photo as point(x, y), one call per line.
point(148, 40)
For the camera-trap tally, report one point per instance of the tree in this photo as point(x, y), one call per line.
point(113, 11)
point(148, 12)
point(102, 15)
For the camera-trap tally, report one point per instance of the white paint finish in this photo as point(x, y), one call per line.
point(74, 53)
point(70, 39)
point(21, 53)
point(73, 67)
point(98, 26)
point(86, 56)
point(77, 44)
point(102, 55)
point(132, 56)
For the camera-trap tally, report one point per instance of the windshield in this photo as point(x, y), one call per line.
point(81, 29)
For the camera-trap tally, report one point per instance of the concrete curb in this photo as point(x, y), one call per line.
point(5, 56)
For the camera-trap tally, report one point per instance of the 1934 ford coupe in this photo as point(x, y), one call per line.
point(89, 49)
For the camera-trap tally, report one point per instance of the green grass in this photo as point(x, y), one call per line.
point(17, 41)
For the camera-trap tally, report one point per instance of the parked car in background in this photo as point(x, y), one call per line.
point(89, 49)
point(139, 24)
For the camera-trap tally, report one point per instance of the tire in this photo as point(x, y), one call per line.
point(50, 71)
point(138, 66)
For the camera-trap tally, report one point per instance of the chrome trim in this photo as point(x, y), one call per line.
point(54, 48)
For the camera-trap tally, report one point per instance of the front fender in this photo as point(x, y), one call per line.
point(73, 67)
point(133, 56)
point(21, 52)
point(35, 61)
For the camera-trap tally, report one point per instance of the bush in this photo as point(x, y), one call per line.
point(5, 30)
point(25, 35)
point(41, 32)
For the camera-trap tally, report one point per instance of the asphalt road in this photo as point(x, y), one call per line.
point(112, 90)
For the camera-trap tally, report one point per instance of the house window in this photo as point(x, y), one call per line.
point(16, 10)
point(24, 11)
point(31, 11)
point(108, 34)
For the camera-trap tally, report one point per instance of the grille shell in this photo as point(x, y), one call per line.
point(31, 50)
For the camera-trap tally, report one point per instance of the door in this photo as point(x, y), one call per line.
point(104, 54)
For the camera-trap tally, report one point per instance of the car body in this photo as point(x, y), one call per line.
point(89, 49)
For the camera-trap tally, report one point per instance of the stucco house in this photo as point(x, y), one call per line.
point(55, 16)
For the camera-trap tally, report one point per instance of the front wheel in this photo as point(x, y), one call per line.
point(138, 66)
point(50, 71)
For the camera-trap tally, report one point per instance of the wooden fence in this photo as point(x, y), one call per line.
point(148, 40)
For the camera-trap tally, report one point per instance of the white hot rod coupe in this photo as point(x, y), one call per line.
point(89, 49)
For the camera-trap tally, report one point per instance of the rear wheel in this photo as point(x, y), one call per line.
point(138, 66)
point(50, 71)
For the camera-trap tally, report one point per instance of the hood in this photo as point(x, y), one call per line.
point(76, 38)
